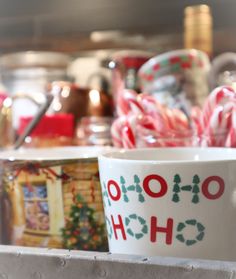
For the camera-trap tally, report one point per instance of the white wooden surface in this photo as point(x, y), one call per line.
point(24, 263)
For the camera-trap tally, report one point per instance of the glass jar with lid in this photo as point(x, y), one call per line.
point(29, 72)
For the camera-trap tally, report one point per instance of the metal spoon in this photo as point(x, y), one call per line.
point(42, 110)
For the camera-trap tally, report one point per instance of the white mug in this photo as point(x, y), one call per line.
point(171, 202)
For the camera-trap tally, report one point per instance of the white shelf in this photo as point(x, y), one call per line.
point(37, 263)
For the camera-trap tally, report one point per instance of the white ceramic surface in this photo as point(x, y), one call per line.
point(148, 66)
point(55, 153)
point(171, 202)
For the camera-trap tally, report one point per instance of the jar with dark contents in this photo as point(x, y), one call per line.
point(51, 131)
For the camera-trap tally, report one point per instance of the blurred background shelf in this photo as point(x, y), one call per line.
point(78, 25)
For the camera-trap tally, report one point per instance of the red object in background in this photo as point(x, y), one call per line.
point(50, 125)
point(133, 62)
point(3, 96)
point(124, 70)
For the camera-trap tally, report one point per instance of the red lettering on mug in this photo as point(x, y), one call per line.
point(168, 230)
point(205, 187)
point(162, 183)
point(117, 195)
point(118, 226)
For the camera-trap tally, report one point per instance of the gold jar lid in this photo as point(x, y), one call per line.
point(198, 28)
point(197, 9)
point(197, 15)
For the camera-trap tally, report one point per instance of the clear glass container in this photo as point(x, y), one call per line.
point(29, 72)
point(125, 65)
point(94, 130)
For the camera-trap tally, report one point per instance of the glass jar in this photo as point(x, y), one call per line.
point(94, 130)
point(184, 138)
point(29, 72)
point(125, 65)
point(223, 70)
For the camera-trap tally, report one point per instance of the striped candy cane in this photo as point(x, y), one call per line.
point(231, 137)
point(219, 96)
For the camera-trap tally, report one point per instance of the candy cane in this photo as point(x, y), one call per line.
point(128, 132)
point(144, 122)
point(181, 120)
point(148, 102)
point(231, 137)
point(146, 131)
point(154, 109)
point(116, 129)
point(219, 96)
point(123, 131)
point(197, 120)
point(218, 126)
point(128, 103)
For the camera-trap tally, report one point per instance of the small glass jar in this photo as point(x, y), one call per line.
point(52, 130)
point(187, 138)
point(30, 72)
point(94, 131)
point(184, 138)
point(125, 65)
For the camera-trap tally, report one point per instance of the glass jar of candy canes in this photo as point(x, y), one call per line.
point(184, 138)
point(216, 121)
point(144, 122)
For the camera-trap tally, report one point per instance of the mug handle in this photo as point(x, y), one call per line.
point(220, 63)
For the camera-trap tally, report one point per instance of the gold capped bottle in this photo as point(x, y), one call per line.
point(198, 28)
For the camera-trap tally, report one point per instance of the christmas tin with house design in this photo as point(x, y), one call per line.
point(55, 203)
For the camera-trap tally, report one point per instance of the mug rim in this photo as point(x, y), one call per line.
point(158, 58)
point(48, 154)
point(229, 154)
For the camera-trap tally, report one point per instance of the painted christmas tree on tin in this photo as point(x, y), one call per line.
point(82, 231)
